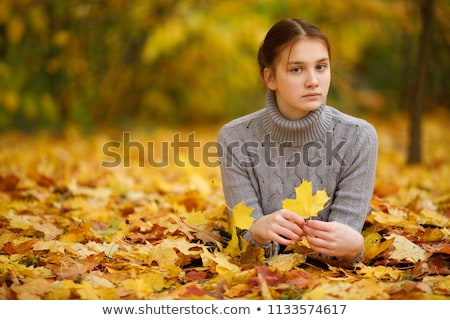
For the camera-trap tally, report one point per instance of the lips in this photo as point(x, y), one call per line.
point(311, 95)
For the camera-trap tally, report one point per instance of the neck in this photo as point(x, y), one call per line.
point(311, 127)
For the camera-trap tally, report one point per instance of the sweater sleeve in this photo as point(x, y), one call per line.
point(238, 184)
point(354, 190)
point(355, 187)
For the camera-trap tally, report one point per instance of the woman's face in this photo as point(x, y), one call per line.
point(300, 78)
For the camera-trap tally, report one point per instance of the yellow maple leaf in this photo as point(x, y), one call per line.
point(145, 285)
point(233, 247)
point(240, 218)
point(286, 262)
point(197, 218)
point(171, 252)
point(373, 246)
point(380, 272)
point(305, 203)
point(219, 262)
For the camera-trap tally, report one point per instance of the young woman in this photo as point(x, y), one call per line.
point(296, 137)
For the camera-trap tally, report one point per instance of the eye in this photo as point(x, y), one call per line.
point(297, 69)
point(321, 66)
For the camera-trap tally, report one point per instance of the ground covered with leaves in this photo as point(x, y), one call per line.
point(71, 228)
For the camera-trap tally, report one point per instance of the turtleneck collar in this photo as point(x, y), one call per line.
point(310, 128)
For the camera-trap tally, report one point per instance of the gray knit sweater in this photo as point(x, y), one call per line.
point(264, 157)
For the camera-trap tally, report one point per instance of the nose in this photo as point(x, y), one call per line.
point(311, 81)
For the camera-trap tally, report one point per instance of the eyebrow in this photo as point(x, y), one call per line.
point(301, 62)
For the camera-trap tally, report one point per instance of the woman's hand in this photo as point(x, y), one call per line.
point(333, 239)
point(282, 226)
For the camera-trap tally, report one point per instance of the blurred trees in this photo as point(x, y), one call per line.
point(418, 84)
point(168, 62)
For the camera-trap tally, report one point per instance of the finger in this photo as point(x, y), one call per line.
point(317, 233)
point(282, 240)
point(294, 217)
point(324, 251)
point(290, 234)
point(291, 230)
point(318, 225)
point(321, 246)
point(288, 227)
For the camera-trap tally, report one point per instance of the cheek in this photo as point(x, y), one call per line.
point(326, 80)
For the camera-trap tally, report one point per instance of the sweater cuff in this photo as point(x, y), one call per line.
point(270, 249)
point(358, 258)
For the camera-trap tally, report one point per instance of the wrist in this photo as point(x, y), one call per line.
point(351, 257)
point(256, 236)
point(356, 258)
point(356, 254)
point(260, 240)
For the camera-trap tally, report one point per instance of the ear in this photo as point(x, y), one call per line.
point(269, 79)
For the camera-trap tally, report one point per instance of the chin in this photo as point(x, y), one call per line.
point(313, 107)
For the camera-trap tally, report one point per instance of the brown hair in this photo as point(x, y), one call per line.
point(285, 32)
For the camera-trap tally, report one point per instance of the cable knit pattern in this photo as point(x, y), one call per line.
point(265, 156)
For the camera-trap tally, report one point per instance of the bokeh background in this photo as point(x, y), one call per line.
point(79, 75)
point(127, 63)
